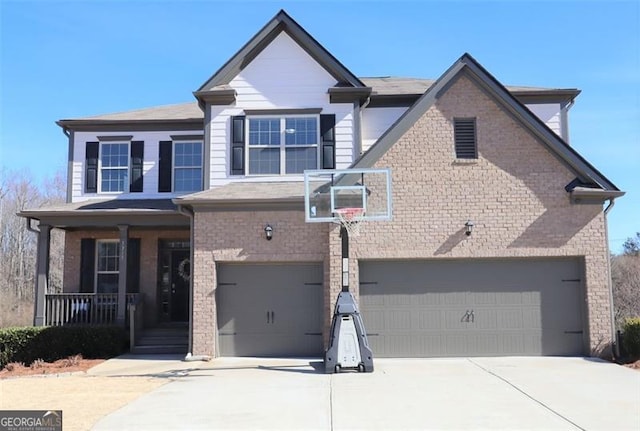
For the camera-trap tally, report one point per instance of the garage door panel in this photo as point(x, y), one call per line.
point(270, 309)
point(473, 307)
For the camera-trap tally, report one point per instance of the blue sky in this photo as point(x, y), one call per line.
point(79, 58)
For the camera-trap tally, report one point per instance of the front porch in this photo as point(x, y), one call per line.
point(127, 263)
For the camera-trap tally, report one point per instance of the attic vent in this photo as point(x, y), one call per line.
point(464, 130)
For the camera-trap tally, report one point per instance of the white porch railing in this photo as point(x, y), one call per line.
point(84, 308)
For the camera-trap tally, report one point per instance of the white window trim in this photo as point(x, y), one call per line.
point(128, 167)
point(97, 259)
point(282, 147)
point(173, 165)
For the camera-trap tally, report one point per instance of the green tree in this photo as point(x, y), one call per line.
point(631, 246)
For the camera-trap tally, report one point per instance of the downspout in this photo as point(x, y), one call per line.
point(615, 344)
point(31, 228)
point(358, 129)
point(189, 213)
point(565, 120)
point(70, 150)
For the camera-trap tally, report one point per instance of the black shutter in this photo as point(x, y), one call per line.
point(91, 167)
point(164, 166)
point(328, 141)
point(133, 266)
point(87, 264)
point(137, 157)
point(237, 145)
point(464, 131)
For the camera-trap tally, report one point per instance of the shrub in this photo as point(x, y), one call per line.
point(631, 337)
point(12, 366)
point(37, 364)
point(51, 343)
point(72, 361)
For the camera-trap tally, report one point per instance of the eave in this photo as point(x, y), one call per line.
point(89, 125)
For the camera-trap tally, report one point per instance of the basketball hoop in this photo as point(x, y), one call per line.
point(350, 218)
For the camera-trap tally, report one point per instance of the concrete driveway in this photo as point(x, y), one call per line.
point(402, 394)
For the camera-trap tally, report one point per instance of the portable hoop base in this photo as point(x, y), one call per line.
point(348, 345)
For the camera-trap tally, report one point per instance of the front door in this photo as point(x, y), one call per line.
point(174, 277)
point(180, 276)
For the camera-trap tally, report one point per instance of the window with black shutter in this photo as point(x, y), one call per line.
point(165, 165)
point(327, 136)
point(237, 145)
point(91, 167)
point(137, 159)
point(464, 131)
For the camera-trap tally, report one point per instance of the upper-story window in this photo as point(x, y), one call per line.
point(114, 170)
point(114, 165)
point(187, 166)
point(282, 145)
point(180, 165)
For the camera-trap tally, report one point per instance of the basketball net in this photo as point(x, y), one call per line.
point(350, 218)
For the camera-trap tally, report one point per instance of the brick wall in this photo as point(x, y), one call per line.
point(514, 193)
point(239, 237)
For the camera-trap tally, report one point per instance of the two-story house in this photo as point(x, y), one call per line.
point(169, 207)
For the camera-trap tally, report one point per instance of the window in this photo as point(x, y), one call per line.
point(114, 171)
point(286, 145)
point(187, 167)
point(464, 131)
point(107, 266)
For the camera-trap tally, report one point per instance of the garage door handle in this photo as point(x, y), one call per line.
point(372, 334)
point(573, 332)
point(313, 333)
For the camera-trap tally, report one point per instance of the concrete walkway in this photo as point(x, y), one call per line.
point(442, 394)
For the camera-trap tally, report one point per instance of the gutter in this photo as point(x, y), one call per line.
point(614, 341)
point(189, 213)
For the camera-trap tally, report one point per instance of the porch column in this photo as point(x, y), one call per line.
point(122, 275)
point(42, 274)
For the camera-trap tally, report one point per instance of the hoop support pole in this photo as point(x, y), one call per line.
point(344, 234)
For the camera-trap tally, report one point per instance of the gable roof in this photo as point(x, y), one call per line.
point(382, 87)
point(279, 23)
point(467, 65)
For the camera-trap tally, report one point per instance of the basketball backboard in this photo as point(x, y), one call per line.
point(327, 192)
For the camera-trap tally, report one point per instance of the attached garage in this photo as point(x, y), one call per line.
point(473, 307)
point(270, 309)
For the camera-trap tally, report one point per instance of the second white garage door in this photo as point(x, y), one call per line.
point(473, 307)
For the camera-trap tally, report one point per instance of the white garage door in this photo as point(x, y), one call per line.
point(473, 307)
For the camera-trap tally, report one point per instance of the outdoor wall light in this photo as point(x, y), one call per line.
point(268, 231)
point(468, 227)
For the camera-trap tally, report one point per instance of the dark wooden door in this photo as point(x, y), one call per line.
point(180, 277)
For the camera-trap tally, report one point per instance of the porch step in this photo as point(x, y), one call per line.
point(160, 350)
point(164, 339)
